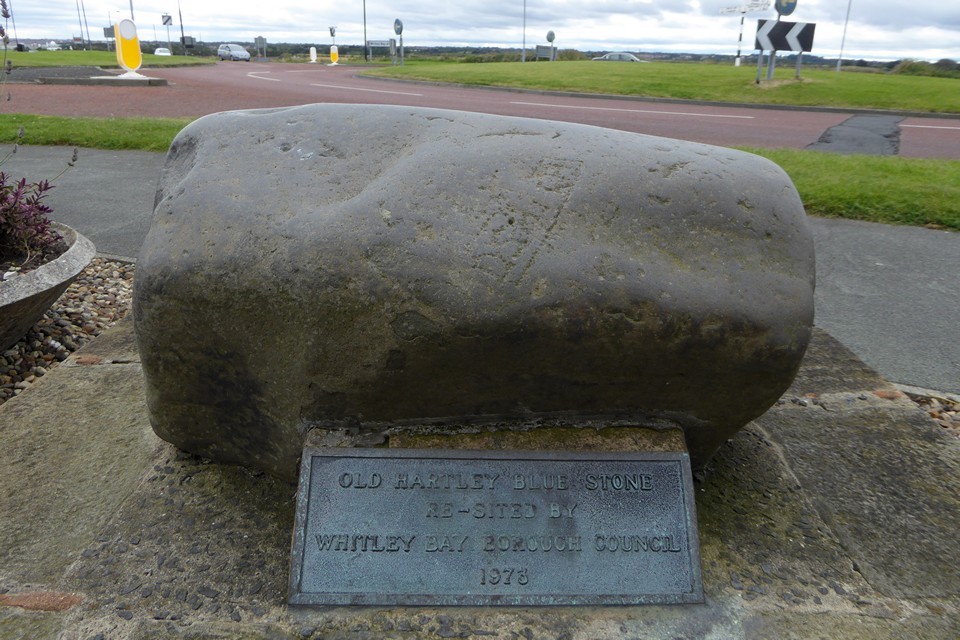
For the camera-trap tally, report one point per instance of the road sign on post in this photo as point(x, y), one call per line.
point(785, 7)
point(398, 29)
point(129, 56)
point(167, 21)
point(777, 35)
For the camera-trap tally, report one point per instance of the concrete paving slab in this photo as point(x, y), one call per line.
point(822, 519)
point(74, 450)
point(884, 478)
point(829, 367)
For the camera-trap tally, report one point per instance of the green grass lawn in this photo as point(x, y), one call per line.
point(889, 189)
point(694, 81)
point(94, 59)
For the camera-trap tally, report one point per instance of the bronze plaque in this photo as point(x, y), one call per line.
point(440, 527)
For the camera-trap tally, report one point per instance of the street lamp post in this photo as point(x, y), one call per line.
point(843, 40)
point(523, 52)
point(131, 10)
point(80, 21)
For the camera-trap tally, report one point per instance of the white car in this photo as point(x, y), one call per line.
point(162, 51)
point(233, 52)
point(620, 56)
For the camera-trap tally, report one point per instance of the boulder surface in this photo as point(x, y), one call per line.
point(371, 267)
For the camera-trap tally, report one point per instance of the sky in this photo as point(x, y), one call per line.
point(876, 30)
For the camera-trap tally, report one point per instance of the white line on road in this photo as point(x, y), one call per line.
point(253, 74)
point(336, 86)
point(668, 113)
point(929, 126)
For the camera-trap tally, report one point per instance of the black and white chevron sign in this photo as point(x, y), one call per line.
point(776, 35)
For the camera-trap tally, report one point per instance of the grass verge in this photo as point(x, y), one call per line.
point(142, 134)
point(107, 59)
point(697, 81)
point(892, 190)
point(888, 189)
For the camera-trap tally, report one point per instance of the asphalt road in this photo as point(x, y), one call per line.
point(888, 293)
point(197, 91)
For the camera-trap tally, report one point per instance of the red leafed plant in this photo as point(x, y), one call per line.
point(26, 237)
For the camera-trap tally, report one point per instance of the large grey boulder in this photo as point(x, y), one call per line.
point(372, 267)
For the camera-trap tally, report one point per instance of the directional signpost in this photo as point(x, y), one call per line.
point(743, 10)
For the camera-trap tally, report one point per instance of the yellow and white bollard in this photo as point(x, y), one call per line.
point(128, 47)
point(334, 55)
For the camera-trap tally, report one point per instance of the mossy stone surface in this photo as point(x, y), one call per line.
point(376, 266)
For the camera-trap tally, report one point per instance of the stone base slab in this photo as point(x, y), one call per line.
point(833, 515)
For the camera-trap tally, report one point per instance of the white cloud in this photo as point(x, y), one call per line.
point(926, 29)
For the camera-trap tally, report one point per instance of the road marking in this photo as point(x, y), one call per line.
point(929, 126)
point(668, 113)
point(253, 74)
point(337, 86)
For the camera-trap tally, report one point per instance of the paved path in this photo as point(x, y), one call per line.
point(890, 294)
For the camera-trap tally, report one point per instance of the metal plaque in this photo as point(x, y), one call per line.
point(439, 527)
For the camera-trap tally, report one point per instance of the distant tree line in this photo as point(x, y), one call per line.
point(943, 68)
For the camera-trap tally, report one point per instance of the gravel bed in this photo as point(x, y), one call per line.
point(100, 296)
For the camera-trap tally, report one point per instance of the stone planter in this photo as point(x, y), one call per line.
point(25, 298)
